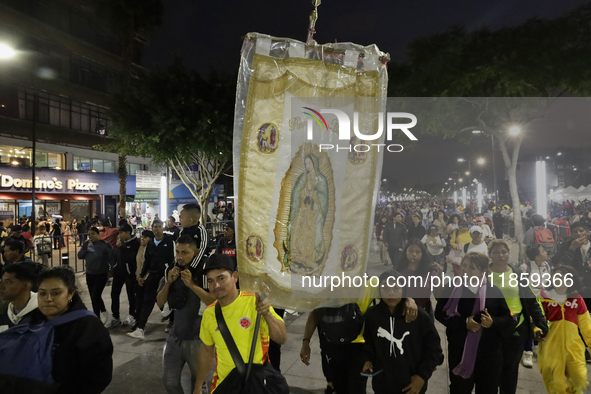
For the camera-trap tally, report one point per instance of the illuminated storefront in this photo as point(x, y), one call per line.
point(66, 193)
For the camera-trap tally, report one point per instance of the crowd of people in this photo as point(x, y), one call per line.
point(389, 335)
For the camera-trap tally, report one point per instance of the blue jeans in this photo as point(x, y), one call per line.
point(176, 354)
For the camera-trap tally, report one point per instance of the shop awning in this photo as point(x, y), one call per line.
point(46, 196)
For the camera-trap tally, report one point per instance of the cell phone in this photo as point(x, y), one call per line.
point(478, 317)
point(372, 374)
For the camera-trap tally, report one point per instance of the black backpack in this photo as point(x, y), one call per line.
point(340, 325)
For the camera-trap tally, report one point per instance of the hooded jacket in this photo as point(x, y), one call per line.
point(10, 319)
point(82, 353)
point(401, 349)
point(126, 258)
point(99, 259)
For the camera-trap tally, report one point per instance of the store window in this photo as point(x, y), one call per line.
point(94, 165)
point(132, 168)
point(21, 156)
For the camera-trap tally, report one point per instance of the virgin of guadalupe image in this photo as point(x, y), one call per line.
point(304, 245)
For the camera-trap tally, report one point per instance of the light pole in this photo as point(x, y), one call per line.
point(541, 197)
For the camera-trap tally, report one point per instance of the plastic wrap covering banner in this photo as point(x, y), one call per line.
point(305, 178)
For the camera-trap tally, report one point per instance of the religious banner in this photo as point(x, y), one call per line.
point(307, 161)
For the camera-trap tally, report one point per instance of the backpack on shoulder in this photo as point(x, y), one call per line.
point(340, 325)
point(544, 237)
point(26, 355)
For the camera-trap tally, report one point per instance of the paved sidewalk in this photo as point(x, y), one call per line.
point(138, 363)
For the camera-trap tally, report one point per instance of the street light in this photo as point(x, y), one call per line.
point(467, 172)
point(461, 160)
point(6, 52)
point(460, 180)
point(514, 130)
point(480, 161)
point(559, 154)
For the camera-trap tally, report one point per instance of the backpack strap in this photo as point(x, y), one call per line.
point(70, 317)
point(234, 352)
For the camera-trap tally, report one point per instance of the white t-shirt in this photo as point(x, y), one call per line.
point(425, 213)
point(435, 248)
point(482, 248)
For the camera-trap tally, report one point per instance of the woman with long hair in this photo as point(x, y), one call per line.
point(416, 262)
point(476, 319)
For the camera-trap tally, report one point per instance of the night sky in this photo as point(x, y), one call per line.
point(209, 35)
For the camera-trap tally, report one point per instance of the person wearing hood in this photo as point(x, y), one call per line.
point(98, 255)
point(15, 287)
point(406, 353)
point(476, 319)
point(83, 355)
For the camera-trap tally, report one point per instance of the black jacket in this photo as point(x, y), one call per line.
point(395, 235)
point(100, 261)
point(172, 232)
point(419, 340)
point(126, 263)
point(456, 331)
point(417, 232)
point(200, 234)
point(158, 257)
point(565, 256)
point(83, 354)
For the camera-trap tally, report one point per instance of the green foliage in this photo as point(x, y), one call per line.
point(173, 114)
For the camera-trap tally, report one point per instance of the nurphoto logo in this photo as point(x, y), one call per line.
point(344, 127)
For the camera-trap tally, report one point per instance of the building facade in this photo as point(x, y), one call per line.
point(57, 87)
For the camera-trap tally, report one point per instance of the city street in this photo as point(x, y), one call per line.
point(138, 363)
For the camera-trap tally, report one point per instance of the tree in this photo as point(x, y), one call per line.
point(179, 120)
point(540, 58)
point(130, 20)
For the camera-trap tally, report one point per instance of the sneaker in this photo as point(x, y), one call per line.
point(168, 327)
point(104, 317)
point(113, 323)
point(329, 390)
point(527, 359)
point(130, 321)
point(137, 334)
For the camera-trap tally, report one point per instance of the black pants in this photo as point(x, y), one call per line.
point(345, 365)
point(82, 238)
point(485, 378)
point(118, 282)
point(139, 299)
point(58, 241)
point(150, 292)
point(512, 352)
point(96, 284)
point(275, 348)
point(323, 344)
point(395, 254)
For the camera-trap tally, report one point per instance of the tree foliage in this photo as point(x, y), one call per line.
point(178, 119)
point(540, 58)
